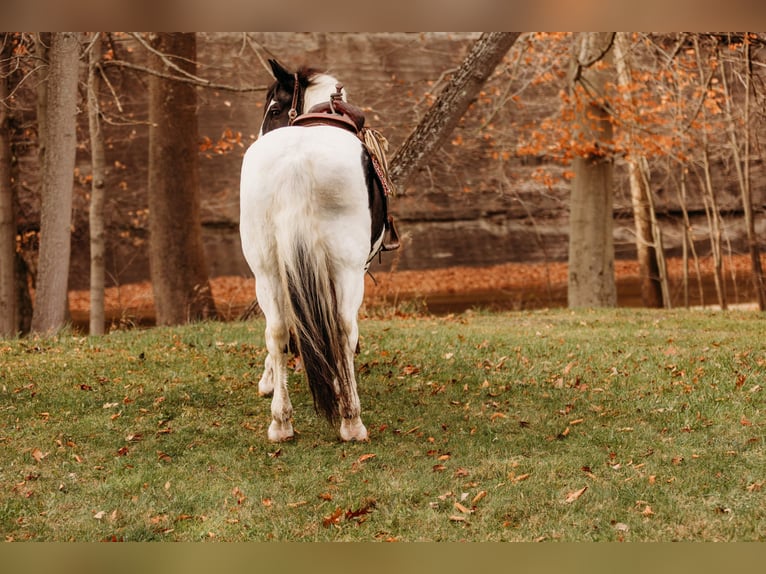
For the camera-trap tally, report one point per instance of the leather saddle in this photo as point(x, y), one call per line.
point(334, 113)
point(341, 114)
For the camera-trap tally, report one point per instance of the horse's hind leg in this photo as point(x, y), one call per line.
point(275, 369)
point(351, 291)
point(266, 384)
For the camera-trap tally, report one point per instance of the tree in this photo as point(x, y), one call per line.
point(646, 248)
point(453, 101)
point(59, 142)
point(742, 165)
point(96, 214)
point(591, 245)
point(8, 313)
point(176, 256)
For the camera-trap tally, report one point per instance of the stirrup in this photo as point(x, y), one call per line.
point(391, 237)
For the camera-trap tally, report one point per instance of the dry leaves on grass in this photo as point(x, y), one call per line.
point(575, 495)
point(357, 515)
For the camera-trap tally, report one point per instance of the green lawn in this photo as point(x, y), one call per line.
point(553, 425)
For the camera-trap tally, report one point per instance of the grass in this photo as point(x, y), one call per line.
point(549, 425)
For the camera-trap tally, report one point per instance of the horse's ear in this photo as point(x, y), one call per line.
point(281, 74)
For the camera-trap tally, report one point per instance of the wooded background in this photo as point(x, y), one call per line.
point(673, 121)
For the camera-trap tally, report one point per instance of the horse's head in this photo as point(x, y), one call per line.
point(293, 93)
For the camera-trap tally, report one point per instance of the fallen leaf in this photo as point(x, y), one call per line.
point(647, 511)
point(755, 486)
point(38, 455)
point(455, 518)
point(494, 416)
point(99, 515)
point(439, 467)
point(239, 495)
point(572, 496)
point(297, 504)
point(481, 494)
point(462, 508)
point(334, 518)
point(366, 508)
point(461, 472)
point(365, 457)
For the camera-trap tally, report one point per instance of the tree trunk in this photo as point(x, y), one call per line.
point(591, 243)
point(712, 212)
point(742, 165)
point(176, 254)
point(453, 101)
point(8, 312)
point(649, 271)
point(59, 144)
point(97, 193)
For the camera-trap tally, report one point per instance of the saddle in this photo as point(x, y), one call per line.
point(341, 114)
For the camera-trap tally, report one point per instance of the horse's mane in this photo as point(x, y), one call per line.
point(306, 74)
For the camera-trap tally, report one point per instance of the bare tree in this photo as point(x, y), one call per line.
point(742, 165)
point(649, 270)
point(176, 254)
point(453, 101)
point(59, 145)
point(591, 243)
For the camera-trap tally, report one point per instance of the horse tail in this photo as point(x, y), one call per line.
point(316, 322)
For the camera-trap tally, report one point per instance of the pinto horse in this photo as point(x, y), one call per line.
point(312, 217)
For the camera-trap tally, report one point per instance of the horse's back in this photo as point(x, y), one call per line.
point(329, 156)
point(305, 180)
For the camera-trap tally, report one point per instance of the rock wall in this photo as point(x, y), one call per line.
point(465, 208)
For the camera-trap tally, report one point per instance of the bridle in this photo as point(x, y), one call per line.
point(293, 113)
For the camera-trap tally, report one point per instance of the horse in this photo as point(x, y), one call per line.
point(312, 218)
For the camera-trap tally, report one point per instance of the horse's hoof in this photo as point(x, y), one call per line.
point(353, 430)
point(280, 432)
